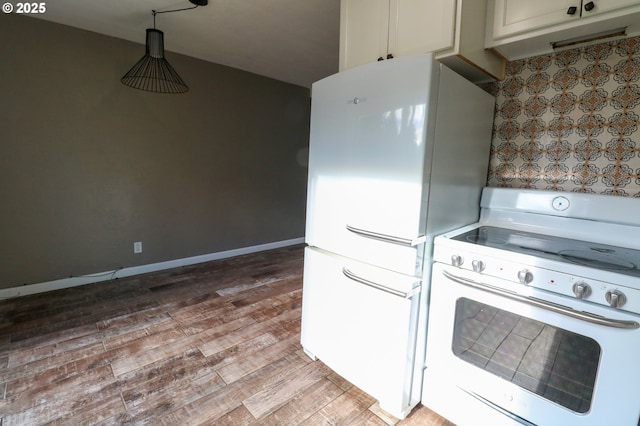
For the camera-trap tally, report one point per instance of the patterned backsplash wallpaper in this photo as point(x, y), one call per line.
point(569, 121)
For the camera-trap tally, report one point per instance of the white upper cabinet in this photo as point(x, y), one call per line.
point(364, 32)
point(376, 30)
point(420, 26)
point(468, 55)
point(372, 30)
point(521, 28)
point(516, 16)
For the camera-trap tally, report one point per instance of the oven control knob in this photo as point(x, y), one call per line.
point(525, 276)
point(615, 298)
point(478, 265)
point(581, 290)
point(457, 260)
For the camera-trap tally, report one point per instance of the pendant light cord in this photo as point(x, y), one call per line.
point(154, 13)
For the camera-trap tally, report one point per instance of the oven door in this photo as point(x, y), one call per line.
point(494, 357)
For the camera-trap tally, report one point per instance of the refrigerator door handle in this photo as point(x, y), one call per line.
point(405, 295)
point(411, 242)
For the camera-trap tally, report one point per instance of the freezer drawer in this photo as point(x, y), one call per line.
point(361, 321)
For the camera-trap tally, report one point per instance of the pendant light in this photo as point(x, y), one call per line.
point(153, 72)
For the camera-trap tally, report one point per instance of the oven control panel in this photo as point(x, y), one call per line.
point(522, 275)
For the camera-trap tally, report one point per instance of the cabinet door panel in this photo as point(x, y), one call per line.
point(515, 16)
point(419, 26)
point(364, 29)
point(548, 21)
point(607, 5)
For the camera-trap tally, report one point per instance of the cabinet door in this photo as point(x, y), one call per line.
point(602, 6)
point(421, 26)
point(517, 16)
point(364, 31)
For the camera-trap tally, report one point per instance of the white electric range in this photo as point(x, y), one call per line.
point(534, 312)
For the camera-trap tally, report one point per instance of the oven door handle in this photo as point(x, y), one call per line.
point(538, 303)
point(405, 295)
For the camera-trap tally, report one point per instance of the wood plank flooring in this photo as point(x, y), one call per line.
point(210, 344)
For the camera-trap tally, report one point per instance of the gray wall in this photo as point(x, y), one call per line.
point(88, 165)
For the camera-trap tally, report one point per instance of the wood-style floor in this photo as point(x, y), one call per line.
point(213, 344)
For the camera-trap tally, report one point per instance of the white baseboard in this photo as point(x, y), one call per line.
point(25, 290)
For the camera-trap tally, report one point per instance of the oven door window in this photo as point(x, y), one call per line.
point(553, 363)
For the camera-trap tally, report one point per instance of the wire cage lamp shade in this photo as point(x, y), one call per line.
point(153, 72)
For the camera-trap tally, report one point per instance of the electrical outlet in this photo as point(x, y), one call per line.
point(137, 247)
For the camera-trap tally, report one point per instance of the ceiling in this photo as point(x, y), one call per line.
point(290, 40)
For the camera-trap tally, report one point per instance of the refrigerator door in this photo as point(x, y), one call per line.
point(361, 321)
point(367, 171)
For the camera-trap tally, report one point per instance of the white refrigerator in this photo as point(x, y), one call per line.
point(398, 153)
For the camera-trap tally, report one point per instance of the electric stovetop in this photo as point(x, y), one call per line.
point(595, 255)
